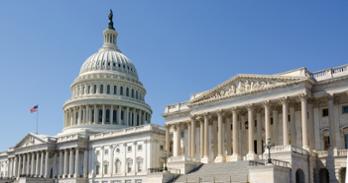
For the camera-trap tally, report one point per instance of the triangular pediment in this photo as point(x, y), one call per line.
point(245, 84)
point(31, 140)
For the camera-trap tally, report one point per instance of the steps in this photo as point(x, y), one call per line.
point(235, 172)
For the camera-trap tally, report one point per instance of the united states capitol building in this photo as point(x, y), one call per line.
point(289, 127)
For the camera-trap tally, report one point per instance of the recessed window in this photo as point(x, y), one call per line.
point(345, 109)
point(271, 121)
point(140, 147)
point(115, 90)
point(325, 112)
point(121, 90)
point(127, 92)
point(94, 89)
point(129, 148)
point(106, 152)
point(101, 89)
point(108, 89)
point(161, 147)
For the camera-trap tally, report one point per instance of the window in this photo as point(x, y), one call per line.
point(326, 140)
point(106, 166)
point(345, 109)
point(107, 116)
point(161, 147)
point(101, 89)
point(127, 92)
point(114, 116)
point(271, 121)
point(100, 116)
point(117, 166)
point(97, 169)
point(92, 111)
point(129, 148)
point(140, 147)
point(289, 118)
point(346, 141)
point(94, 89)
point(106, 152)
point(132, 93)
point(129, 165)
point(325, 112)
point(108, 89)
point(140, 163)
point(115, 90)
point(88, 89)
point(121, 90)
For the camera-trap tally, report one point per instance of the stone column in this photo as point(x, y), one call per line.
point(19, 165)
point(37, 165)
point(127, 116)
point(259, 132)
point(251, 153)
point(177, 140)
point(304, 122)
point(96, 113)
point(220, 157)
point(46, 164)
point(28, 165)
point(15, 166)
point(32, 170)
point(85, 164)
point(188, 140)
point(267, 122)
point(167, 127)
point(235, 128)
point(71, 163)
point(193, 139)
point(103, 115)
point(77, 160)
point(332, 132)
point(42, 164)
point(60, 166)
point(111, 114)
point(205, 158)
point(285, 121)
point(9, 167)
point(201, 138)
point(65, 165)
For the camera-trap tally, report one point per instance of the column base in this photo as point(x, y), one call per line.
point(235, 157)
point(219, 159)
point(205, 159)
point(251, 156)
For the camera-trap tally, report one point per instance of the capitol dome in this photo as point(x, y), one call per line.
point(107, 93)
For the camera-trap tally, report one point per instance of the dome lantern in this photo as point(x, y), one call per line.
point(110, 34)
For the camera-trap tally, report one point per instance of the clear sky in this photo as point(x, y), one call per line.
point(178, 47)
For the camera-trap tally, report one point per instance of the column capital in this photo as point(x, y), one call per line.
point(303, 96)
point(284, 100)
point(220, 112)
point(266, 103)
point(250, 106)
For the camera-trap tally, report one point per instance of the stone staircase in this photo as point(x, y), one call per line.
point(234, 172)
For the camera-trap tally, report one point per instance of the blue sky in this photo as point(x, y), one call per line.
point(179, 48)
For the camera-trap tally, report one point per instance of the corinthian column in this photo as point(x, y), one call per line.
point(205, 158)
point(167, 127)
point(220, 157)
point(267, 121)
point(193, 138)
point(201, 138)
point(251, 153)
point(304, 121)
point(77, 160)
point(188, 140)
point(285, 121)
point(235, 127)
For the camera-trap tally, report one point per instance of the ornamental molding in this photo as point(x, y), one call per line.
point(245, 84)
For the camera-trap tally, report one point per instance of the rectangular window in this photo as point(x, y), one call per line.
point(289, 118)
point(107, 116)
point(114, 116)
point(97, 167)
point(101, 89)
point(94, 89)
point(346, 141)
point(325, 112)
point(140, 147)
point(100, 116)
point(326, 142)
point(345, 109)
point(129, 148)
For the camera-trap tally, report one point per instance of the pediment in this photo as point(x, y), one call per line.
point(245, 84)
point(31, 140)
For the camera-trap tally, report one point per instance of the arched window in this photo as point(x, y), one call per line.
point(300, 176)
point(140, 163)
point(101, 89)
point(127, 92)
point(115, 90)
point(121, 90)
point(132, 93)
point(108, 89)
point(117, 166)
point(94, 89)
point(129, 165)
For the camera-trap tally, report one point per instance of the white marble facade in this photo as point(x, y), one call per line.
point(304, 114)
point(107, 136)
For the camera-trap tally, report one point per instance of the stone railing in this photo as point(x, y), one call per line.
point(288, 148)
point(125, 131)
point(162, 169)
point(335, 152)
point(176, 107)
point(331, 73)
point(322, 154)
point(68, 138)
point(340, 152)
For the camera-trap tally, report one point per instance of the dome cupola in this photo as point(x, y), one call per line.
point(107, 93)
